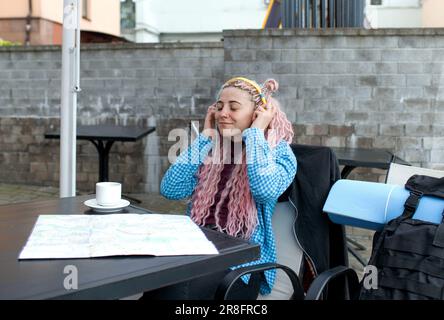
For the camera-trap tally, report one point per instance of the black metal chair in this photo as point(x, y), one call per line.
point(326, 251)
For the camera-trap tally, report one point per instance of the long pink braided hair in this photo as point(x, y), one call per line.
point(242, 212)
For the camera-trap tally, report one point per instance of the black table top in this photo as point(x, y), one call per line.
point(98, 278)
point(370, 158)
point(107, 132)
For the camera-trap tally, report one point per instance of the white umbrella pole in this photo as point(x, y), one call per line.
point(70, 87)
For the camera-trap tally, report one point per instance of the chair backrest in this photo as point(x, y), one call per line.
point(288, 251)
point(399, 174)
point(317, 170)
point(307, 242)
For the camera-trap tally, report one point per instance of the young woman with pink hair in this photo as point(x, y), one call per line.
point(235, 191)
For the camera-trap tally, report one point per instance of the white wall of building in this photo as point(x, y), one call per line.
point(195, 20)
point(395, 14)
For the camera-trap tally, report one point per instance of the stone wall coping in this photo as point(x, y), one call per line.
point(275, 32)
point(120, 46)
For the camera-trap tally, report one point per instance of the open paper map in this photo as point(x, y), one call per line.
point(83, 236)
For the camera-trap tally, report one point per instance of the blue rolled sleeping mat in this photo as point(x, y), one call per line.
point(370, 205)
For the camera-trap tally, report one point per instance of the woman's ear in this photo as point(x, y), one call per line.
point(253, 117)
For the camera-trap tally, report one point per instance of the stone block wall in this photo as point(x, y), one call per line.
point(354, 88)
point(161, 85)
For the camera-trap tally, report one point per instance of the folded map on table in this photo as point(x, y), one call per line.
point(87, 236)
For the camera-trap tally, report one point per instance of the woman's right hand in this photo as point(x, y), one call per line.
point(210, 122)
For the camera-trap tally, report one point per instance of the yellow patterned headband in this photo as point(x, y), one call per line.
point(252, 83)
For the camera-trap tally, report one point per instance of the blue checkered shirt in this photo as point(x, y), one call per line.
point(270, 172)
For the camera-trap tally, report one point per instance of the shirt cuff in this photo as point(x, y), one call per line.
point(254, 133)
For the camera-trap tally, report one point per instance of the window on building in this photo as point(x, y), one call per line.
point(402, 3)
point(127, 14)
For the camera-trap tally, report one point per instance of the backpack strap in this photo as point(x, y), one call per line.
point(411, 204)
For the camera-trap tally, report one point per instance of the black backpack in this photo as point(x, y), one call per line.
point(408, 254)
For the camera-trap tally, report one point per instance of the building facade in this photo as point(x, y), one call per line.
point(189, 21)
point(204, 20)
point(40, 22)
point(405, 14)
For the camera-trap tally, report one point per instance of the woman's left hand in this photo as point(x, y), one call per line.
point(262, 117)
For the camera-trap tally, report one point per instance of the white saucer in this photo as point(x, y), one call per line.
point(92, 203)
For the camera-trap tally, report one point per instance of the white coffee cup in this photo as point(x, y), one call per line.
point(108, 193)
